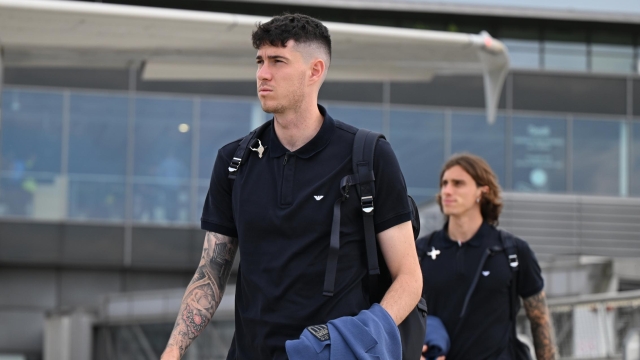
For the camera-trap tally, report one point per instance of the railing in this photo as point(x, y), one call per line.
point(592, 326)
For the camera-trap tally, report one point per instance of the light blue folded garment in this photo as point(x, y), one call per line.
point(372, 334)
point(436, 338)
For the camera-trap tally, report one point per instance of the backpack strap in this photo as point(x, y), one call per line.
point(363, 178)
point(364, 147)
point(241, 153)
point(511, 251)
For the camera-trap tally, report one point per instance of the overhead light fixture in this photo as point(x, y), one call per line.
point(183, 128)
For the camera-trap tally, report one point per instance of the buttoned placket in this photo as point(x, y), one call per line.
point(286, 190)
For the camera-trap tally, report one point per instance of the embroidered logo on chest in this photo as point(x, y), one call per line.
point(318, 197)
point(321, 332)
point(485, 273)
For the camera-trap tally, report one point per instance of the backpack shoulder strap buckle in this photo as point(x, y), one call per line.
point(367, 204)
point(513, 260)
point(235, 164)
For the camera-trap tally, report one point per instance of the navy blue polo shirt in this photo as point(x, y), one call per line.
point(485, 329)
point(280, 207)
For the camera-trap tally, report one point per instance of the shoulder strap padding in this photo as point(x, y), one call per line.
point(362, 155)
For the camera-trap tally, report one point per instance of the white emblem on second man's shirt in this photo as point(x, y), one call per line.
point(485, 273)
point(318, 197)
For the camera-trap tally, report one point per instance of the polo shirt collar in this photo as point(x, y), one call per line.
point(317, 143)
point(475, 241)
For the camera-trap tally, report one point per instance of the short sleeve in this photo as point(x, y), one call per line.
point(391, 204)
point(530, 280)
point(217, 213)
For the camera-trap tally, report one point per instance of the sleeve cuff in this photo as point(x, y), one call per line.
point(530, 293)
point(219, 229)
point(389, 223)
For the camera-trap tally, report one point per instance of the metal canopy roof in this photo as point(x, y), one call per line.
point(195, 46)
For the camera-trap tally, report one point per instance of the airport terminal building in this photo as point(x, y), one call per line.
point(106, 154)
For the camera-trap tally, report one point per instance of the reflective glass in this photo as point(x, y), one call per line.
point(634, 178)
point(596, 152)
point(611, 58)
point(222, 122)
point(565, 56)
point(96, 197)
point(523, 54)
point(565, 49)
point(31, 130)
point(161, 202)
point(538, 154)
point(97, 155)
point(366, 117)
point(98, 134)
point(30, 182)
point(471, 133)
point(417, 138)
point(162, 165)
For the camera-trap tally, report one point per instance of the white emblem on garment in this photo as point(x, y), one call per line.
point(433, 253)
point(318, 197)
point(260, 149)
point(485, 273)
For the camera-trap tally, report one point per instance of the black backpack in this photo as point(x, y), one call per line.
point(413, 328)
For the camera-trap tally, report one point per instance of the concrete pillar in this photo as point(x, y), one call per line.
point(68, 335)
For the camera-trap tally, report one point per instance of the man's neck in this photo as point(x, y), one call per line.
point(297, 127)
point(463, 227)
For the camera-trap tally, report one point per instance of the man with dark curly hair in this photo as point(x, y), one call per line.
point(477, 273)
point(278, 212)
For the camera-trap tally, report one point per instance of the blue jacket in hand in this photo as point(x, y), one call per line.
point(370, 335)
point(436, 338)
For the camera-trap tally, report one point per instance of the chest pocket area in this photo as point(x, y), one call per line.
point(496, 274)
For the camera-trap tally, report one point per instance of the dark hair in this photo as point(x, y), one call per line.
point(297, 27)
point(481, 173)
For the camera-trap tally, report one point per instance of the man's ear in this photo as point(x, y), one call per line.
point(318, 69)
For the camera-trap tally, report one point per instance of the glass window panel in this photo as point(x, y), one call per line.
point(222, 122)
point(30, 182)
point(565, 56)
point(359, 116)
point(163, 140)
point(417, 138)
point(31, 130)
point(538, 153)
point(98, 134)
point(565, 49)
point(163, 135)
point(97, 198)
point(161, 201)
point(634, 181)
point(97, 156)
point(596, 151)
point(523, 53)
point(611, 58)
point(471, 133)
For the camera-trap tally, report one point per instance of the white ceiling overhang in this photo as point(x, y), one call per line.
point(197, 46)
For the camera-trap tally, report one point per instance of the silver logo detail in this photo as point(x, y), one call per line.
point(318, 197)
point(485, 273)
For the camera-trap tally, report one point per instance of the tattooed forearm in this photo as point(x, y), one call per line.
point(204, 293)
point(541, 328)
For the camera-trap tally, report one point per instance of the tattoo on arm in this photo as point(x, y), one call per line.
point(541, 328)
point(204, 293)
